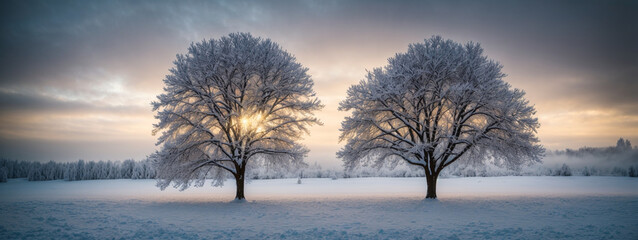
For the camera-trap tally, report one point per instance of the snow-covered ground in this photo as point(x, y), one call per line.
point(361, 208)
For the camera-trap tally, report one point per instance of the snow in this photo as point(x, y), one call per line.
point(359, 208)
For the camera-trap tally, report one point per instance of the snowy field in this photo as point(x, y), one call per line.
point(361, 208)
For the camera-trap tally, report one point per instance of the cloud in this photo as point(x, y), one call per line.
point(90, 65)
point(46, 117)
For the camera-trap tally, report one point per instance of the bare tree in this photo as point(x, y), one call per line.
point(229, 102)
point(437, 104)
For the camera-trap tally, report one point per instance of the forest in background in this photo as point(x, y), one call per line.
point(619, 160)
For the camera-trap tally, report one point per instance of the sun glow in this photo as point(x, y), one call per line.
point(250, 123)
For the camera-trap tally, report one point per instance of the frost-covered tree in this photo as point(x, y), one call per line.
point(103, 170)
point(228, 102)
point(114, 170)
point(150, 171)
point(126, 170)
point(4, 172)
point(138, 171)
point(623, 145)
point(437, 104)
point(564, 171)
point(69, 172)
point(80, 173)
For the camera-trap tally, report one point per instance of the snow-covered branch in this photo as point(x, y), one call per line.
point(435, 104)
point(228, 101)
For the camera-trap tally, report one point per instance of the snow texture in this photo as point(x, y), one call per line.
point(228, 102)
point(438, 103)
point(361, 208)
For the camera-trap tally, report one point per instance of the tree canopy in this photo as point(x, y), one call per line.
point(434, 105)
point(228, 102)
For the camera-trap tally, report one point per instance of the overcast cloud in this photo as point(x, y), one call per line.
point(77, 77)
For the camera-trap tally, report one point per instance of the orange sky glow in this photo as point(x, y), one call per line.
point(80, 86)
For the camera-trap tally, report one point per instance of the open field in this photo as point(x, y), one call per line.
point(360, 208)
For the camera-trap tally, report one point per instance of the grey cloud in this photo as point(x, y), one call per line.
point(67, 151)
point(40, 104)
point(46, 44)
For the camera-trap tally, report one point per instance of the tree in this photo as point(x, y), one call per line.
point(80, 174)
point(138, 171)
point(4, 172)
point(229, 102)
point(437, 104)
point(623, 145)
point(126, 170)
point(564, 171)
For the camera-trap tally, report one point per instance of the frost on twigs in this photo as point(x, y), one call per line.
point(439, 103)
point(230, 105)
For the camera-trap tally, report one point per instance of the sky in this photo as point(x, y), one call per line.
point(77, 77)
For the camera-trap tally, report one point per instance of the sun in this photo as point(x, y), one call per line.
point(252, 122)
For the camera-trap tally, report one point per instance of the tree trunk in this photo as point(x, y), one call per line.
point(431, 186)
point(239, 179)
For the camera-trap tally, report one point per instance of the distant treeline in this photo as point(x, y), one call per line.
point(75, 171)
point(130, 169)
point(622, 151)
point(621, 160)
point(490, 170)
